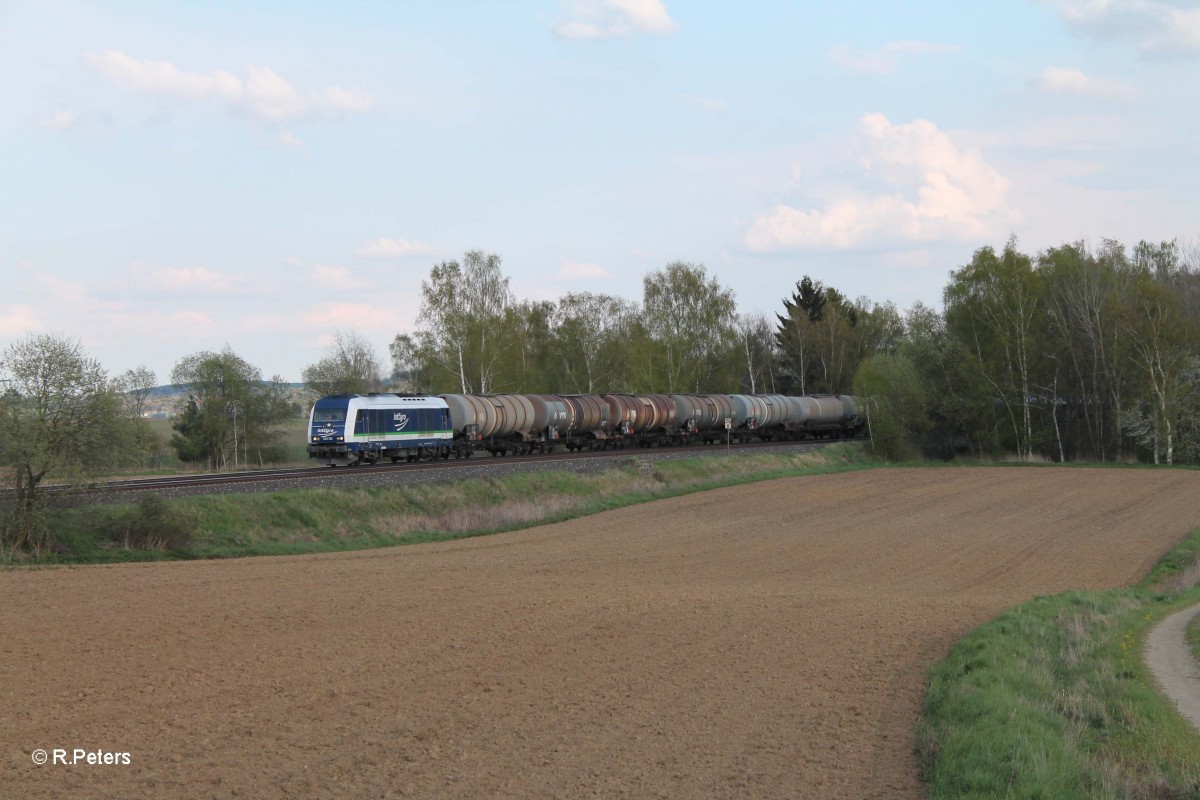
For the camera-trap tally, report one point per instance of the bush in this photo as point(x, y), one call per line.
point(154, 525)
point(24, 531)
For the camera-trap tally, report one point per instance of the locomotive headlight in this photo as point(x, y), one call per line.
point(315, 438)
point(341, 438)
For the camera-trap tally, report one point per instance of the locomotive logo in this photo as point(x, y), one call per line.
point(401, 419)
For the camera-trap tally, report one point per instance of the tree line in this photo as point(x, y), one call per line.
point(1074, 353)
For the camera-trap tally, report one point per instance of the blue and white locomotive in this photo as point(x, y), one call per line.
point(365, 429)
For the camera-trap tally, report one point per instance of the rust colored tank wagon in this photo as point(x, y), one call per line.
point(625, 413)
point(640, 413)
point(589, 413)
point(659, 410)
point(514, 414)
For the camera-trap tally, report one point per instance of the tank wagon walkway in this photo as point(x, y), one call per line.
point(759, 641)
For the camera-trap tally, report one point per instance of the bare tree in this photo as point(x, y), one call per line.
point(757, 339)
point(350, 366)
point(586, 328)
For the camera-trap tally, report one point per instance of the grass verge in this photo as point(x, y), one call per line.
point(322, 520)
point(1053, 700)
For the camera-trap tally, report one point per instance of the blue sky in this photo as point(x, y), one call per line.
point(178, 176)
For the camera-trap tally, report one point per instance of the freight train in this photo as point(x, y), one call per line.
point(366, 429)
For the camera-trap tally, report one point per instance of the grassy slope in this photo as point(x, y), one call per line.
point(1053, 700)
point(320, 520)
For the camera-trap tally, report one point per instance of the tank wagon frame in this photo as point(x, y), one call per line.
point(374, 427)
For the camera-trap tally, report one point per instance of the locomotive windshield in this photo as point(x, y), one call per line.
point(329, 415)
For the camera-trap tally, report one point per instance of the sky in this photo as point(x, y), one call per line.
point(181, 176)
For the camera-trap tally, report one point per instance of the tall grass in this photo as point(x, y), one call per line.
point(1052, 700)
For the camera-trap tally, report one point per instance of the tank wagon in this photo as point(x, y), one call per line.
point(355, 429)
point(506, 423)
point(364, 429)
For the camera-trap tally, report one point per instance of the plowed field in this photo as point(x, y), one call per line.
point(759, 641)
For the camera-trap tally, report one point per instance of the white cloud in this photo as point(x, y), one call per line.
point(394, 248)
point(335, 278)
point(263, 95)
point(575, 270)
point(884, 59)
point(290, 141)
point(58, 121)
point(353, 315)
point(1068, 80)
point(609, 19)
point(921, 187)
point(1091, 133)
point(195, 280)
point(73, 294)
point(1154, 26)
point(18, 320)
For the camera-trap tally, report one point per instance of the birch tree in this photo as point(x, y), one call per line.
point(756, 341)
point(350, 366)
point(690, 317)
point(993, 305)
point(462, 311)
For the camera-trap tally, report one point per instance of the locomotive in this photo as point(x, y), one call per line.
point(366, 429)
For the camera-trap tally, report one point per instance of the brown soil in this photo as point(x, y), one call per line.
point(758, 641)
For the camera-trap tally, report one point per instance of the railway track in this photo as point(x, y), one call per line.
point(326, 476)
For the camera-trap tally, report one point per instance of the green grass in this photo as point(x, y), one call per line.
point(323, 520)
point(1052, 699)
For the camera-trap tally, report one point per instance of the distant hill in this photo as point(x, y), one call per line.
point(165, 401)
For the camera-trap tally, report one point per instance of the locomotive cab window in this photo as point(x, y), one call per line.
point(329, 415)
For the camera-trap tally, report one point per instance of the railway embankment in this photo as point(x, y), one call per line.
point(353, 515)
